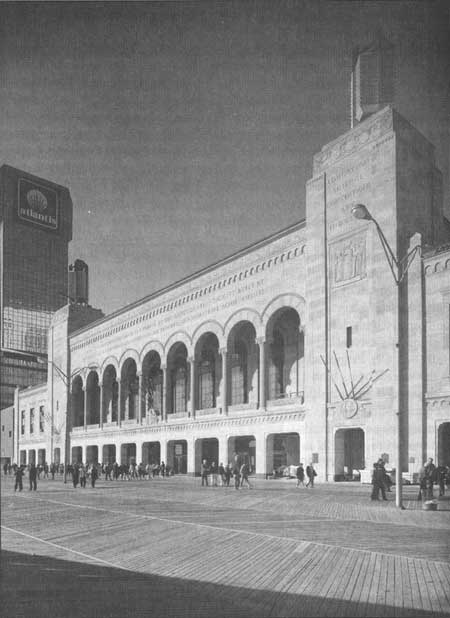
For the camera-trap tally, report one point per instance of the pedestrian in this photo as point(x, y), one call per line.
point(228, 474)
point(378, 473)
point(32, 477)
point(94, 475)
point(18, 475)
point(82, 476)
point(244, 472)
point(222, 474)
point(75, 475)
point(429, 478)
point(441, 476)
point(310, 473)
point(300, 475)
point(204, 471)
point(162, 469)
point(214, 474)
point(237, 475)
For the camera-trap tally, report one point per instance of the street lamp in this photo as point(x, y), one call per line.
point(66, 380)
point(399, 269)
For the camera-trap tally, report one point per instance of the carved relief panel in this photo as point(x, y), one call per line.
point(348, 260)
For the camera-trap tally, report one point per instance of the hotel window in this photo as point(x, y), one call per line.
point(22, 422)
point(238, 363)
point(41, 419)
point(32, 420)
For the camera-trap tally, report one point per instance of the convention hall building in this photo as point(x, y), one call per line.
point(327, 342)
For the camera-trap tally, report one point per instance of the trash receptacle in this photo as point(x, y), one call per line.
point(429, 505)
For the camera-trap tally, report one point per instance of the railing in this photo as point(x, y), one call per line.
point(287, 398)
point(175, 415)
point(206, 411)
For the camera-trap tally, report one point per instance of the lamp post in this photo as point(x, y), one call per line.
point(399, 269)
point(66, 381)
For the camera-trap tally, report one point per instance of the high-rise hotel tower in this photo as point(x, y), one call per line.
point(35, 230)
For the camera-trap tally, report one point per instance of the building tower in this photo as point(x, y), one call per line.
point(35, 230)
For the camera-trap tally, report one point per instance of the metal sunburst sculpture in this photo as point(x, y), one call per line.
point(351, 394)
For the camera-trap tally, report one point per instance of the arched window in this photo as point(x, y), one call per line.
point(179, 383)
point(153, 386)
point(276, 366)
point(206, 380)
point(238, 368)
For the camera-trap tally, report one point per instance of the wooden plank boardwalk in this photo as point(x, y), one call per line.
point(170, 548)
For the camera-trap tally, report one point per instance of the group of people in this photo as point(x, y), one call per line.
point(41, 469)
point(220, 475)
point(310, 473)
point(114, 471)
point(429, 475)
point(381, 481)
point(19, 473)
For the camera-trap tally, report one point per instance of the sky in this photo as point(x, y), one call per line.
point(185, 131)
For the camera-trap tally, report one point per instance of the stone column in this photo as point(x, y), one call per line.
point(223, 450)
point(85, 407)
point(139, 410)
point(164, 393)
point(191, 457)
point(260, 454)
point(224, 394)
point(101, 404)
point(119, 402)
point(262, 373)
point(192, 378)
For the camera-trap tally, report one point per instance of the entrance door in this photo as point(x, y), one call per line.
point(444, 444)
point(349, 454)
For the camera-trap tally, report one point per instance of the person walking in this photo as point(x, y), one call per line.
point(228, 474)
point(222, 474)
point(237, 475)
point(18, 476)
point(244, 472)
point(300, 475)
point(75, 475)
point(378, 473)
point(310, 473)
point(214, 474)
point(32, 477)
point(82, 476)
point(204, 470)
point(94, 475)
point(429, 478)
point(441, 475)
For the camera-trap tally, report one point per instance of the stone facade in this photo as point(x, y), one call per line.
point(291, 350)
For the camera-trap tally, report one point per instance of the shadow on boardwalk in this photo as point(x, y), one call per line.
point(37, 586)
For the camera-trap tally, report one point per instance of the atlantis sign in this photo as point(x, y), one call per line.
point(37, 204)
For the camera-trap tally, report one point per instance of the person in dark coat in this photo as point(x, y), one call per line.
point(75, 475)
point(378, 474)
point(18, 475)
point(300, 475)
point(94, 475)
point(32, 476)
point(204, 469)
point(310, 473)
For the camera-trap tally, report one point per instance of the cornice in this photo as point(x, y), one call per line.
point(193, 426)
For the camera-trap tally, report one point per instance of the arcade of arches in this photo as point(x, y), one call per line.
point(248, 373)
point(281, 451)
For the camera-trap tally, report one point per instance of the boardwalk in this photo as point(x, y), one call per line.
point(171, 548)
